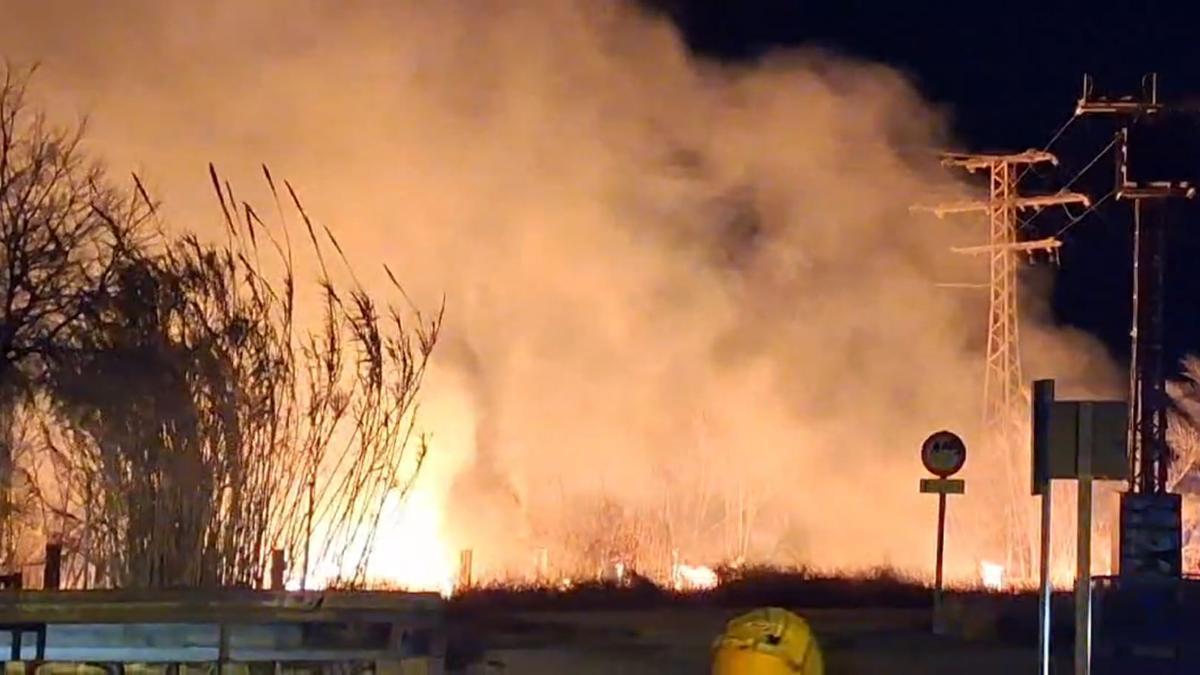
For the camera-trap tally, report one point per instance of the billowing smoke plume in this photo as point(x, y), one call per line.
point(677, 291)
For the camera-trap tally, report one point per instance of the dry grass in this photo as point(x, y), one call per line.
point(1000, 617)
point(882, 587)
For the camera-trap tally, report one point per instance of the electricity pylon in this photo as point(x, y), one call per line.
point(1005, 397)
point(1150, 457)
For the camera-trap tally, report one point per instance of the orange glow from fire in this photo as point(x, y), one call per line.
point(676, 295)
point(410, 549)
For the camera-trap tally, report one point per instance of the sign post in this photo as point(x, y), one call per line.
point(943, 455)
point(1081, 441)
point(1083, 546)
point(1043, 407)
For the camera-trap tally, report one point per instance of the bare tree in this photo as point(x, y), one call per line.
point(598, 537)
point(62, 227)
point(202, 427)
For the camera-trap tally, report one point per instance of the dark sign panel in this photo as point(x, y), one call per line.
point(1151, 540)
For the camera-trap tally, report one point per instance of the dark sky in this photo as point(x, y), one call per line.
point(1010, 74)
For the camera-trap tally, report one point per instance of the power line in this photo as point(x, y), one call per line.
point(1027, 223)
point(1076, 219)
point(1092, 163)
point(1062, 129)
point(1066, 186)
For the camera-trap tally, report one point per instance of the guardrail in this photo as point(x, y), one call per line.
point(223, 626)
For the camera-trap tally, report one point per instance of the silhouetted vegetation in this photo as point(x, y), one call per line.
point(64, 228)
point(187, 422)
point(742, 587)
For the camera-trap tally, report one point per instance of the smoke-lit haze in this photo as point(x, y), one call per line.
point(667, 281)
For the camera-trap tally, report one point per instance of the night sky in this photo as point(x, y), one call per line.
point(1009, 76)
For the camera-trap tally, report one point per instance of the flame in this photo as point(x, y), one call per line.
point(411, 545)
point(694, 578)
point(992, 575)
point(410, 549)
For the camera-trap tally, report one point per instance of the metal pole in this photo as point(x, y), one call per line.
point(39, 644)
point(1044, 595)
point(1083, 545)
point(222, 648)
point(1043, 402)
point(1137, 402)
point(938, 627)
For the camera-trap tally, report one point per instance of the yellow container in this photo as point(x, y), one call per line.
point(768, 641)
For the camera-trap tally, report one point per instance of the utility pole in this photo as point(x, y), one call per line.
point(1150, 516)
point(1150, 457)
point(1005, 399)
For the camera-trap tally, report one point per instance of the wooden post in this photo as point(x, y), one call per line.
point(52, 571)
point(464, 569)
point(278, 567)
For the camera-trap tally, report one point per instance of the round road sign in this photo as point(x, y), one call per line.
point(943, 454)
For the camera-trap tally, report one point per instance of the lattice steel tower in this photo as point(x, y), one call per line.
point(1005, 397)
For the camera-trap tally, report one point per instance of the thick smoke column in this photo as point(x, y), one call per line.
point(689, 290)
